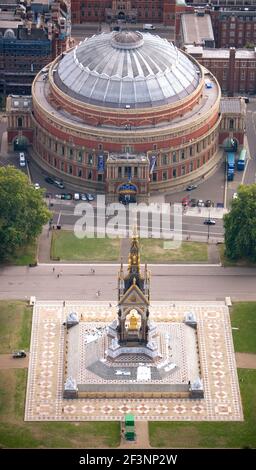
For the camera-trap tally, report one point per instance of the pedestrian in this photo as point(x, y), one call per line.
point(110, 304)
point(58, 275)
point(64, 303)
point(53, 269)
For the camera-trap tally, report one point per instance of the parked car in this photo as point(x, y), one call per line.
point(208, 203)
point(209, 221)
point(76, 196)
point(193, 202)
point(200, 203)
point(49, 180)
point(235, 196)
point(83, 197)
point(191, 186)
point(90, 197)
point(37, 186)
point(66, 196)
point(20, 353)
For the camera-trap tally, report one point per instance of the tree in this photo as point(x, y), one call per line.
point(240, 225)
point(22, 211)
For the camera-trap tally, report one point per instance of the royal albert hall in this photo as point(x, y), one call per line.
point(126, 112)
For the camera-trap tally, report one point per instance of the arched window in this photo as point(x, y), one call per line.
point(20, 122)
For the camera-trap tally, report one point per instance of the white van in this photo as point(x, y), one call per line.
point(22, 159)
point(148, 27)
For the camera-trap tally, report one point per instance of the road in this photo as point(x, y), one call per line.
point(64, 215)
point(168, 282)
point(251, 137)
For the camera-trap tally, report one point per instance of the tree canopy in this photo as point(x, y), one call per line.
point(240, 225)
point(23, 211)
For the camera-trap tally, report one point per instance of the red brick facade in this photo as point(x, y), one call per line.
point(149, 11)
point(234, 69)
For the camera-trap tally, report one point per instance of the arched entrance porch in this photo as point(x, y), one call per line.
point(20, 143)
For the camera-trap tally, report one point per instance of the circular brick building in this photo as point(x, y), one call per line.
point(126, 110)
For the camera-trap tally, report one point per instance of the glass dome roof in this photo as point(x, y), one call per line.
point(127, 70)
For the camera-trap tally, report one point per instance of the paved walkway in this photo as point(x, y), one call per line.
point(246, 361)
point(142, 438)
point(8, 362)
point(218, 368)
point(44, 246)
point(213, 254)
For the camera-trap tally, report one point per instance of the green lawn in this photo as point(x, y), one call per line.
point(25, 255)
point(15, 433)
point(243, 316)
point(66, 246)
point(212, 434)
point(15, 325)
point(152, 250)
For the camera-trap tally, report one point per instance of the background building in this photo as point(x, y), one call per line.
point(234, 69)
point(140, 11)
point(31, 36)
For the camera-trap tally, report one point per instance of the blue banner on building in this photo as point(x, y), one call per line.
point(152, 163)
point(100, 163)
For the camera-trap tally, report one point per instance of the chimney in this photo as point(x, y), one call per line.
point(231, 67)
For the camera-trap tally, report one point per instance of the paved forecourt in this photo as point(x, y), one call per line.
point(44, 400)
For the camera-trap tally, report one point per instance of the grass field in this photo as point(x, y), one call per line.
point(66, 246)
point(70, 248)
point(15, 433)
point(15, 325)
point(152, 250)
point(25, 255)
point(243, 316)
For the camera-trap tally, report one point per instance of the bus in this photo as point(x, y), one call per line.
point(242, 160)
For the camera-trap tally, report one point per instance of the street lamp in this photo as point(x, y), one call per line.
point(208, 231)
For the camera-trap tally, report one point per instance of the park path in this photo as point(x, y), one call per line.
point(8, 362)
point(44, 246)
point(246, 361)
point(213, 253)
point(142, 438)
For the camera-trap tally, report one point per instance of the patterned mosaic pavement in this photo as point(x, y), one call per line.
point(44, 400)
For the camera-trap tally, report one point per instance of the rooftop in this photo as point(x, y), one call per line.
point(210, 96)
point(127, 68)
point(232, 105)
point(196, 29)
point(19, 102)
point(216, 54)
